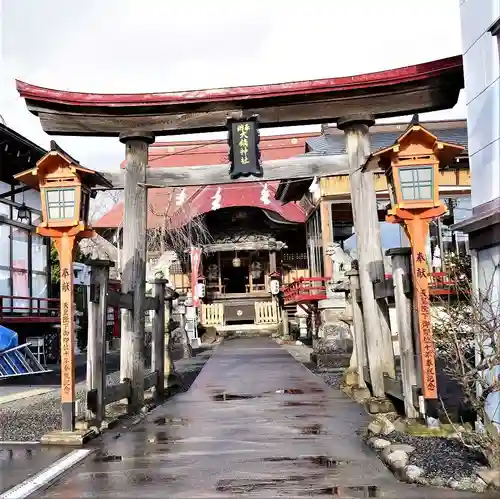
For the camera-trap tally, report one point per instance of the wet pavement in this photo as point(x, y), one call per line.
point(19, 462)
point(255, 423)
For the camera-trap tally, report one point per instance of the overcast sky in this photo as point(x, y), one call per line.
point(158, 45)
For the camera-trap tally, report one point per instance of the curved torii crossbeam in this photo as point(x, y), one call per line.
point(423, 87)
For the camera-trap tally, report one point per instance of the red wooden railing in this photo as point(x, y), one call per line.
point(33, 309)
point(440, 283)
point(312, 289)
point(305, 290)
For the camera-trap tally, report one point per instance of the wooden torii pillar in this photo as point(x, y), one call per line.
point(134, 262)
point(369, 249)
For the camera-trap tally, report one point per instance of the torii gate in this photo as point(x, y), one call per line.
point(354, 102)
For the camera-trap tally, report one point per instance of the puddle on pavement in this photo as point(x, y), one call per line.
point(298, 403)
point(245, 487)
point(164, 420)
point(219, 397)
point(322, 461)
point(357, 492)
point(161, 437)
point(314, 429)
point(238, 487)
point(300, 416)
point(107, 458)
point(291, 391)
point(299, 391)
point(327, 462)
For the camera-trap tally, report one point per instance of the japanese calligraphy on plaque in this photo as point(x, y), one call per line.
point(66, 333)
point(427, 350)
point(244, 152)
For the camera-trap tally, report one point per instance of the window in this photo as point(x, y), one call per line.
point(61, 203)
point(5, 287)
point(40, 288)
point(39, 255)
point(4, 210)
point(416, 183)
point(5, 242)
point(20, 250)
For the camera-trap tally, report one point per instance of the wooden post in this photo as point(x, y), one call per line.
point(219, 270)
point(358, 326)
point(418, 231)
point(326, 236)
point(401, 272)
point(134, 263)
point(168, 365)
point(66, 248)
point(96, 346)
point(158, 341)
point(272, 262)
point(371, 263)
point(286, 324)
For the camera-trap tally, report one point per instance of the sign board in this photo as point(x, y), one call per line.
point(244, 153)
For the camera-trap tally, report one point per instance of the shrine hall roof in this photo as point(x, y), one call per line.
point(332, 141)
point(182, 204)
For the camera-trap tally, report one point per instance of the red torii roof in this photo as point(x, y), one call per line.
point(198, 200)
point(392, 76)
point(412, 89)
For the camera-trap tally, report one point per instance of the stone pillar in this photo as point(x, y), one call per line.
point(369, 249)
point(134, 262)
point(334, 344)
point(272, 261)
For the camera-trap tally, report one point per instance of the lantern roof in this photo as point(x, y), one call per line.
point(31, 177)
point(415, 134)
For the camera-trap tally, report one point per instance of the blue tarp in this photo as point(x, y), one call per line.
point(8, 339)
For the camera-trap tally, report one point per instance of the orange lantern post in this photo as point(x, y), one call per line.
point(65, 189)
point(412, 165)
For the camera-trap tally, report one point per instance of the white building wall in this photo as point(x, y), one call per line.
point(482, 92)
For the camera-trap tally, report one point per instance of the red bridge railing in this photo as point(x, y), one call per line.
point(305, 290)
point(28, 309)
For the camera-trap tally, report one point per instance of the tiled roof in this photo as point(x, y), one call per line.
point(333, 140)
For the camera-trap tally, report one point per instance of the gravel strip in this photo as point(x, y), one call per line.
point(441, 458)
point(27, 420)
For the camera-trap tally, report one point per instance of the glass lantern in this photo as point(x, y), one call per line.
point(61, 203)
point(416, 183)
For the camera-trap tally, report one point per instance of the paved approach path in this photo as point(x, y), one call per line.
point(254, 441)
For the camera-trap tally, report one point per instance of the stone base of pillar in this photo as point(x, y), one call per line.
point(360, 395)
point(350, 377)
point(380, 406)
point(334, 335)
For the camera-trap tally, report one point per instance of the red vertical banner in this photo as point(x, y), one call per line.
point(195, 272)
point(419, 230)
point(65, 248)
